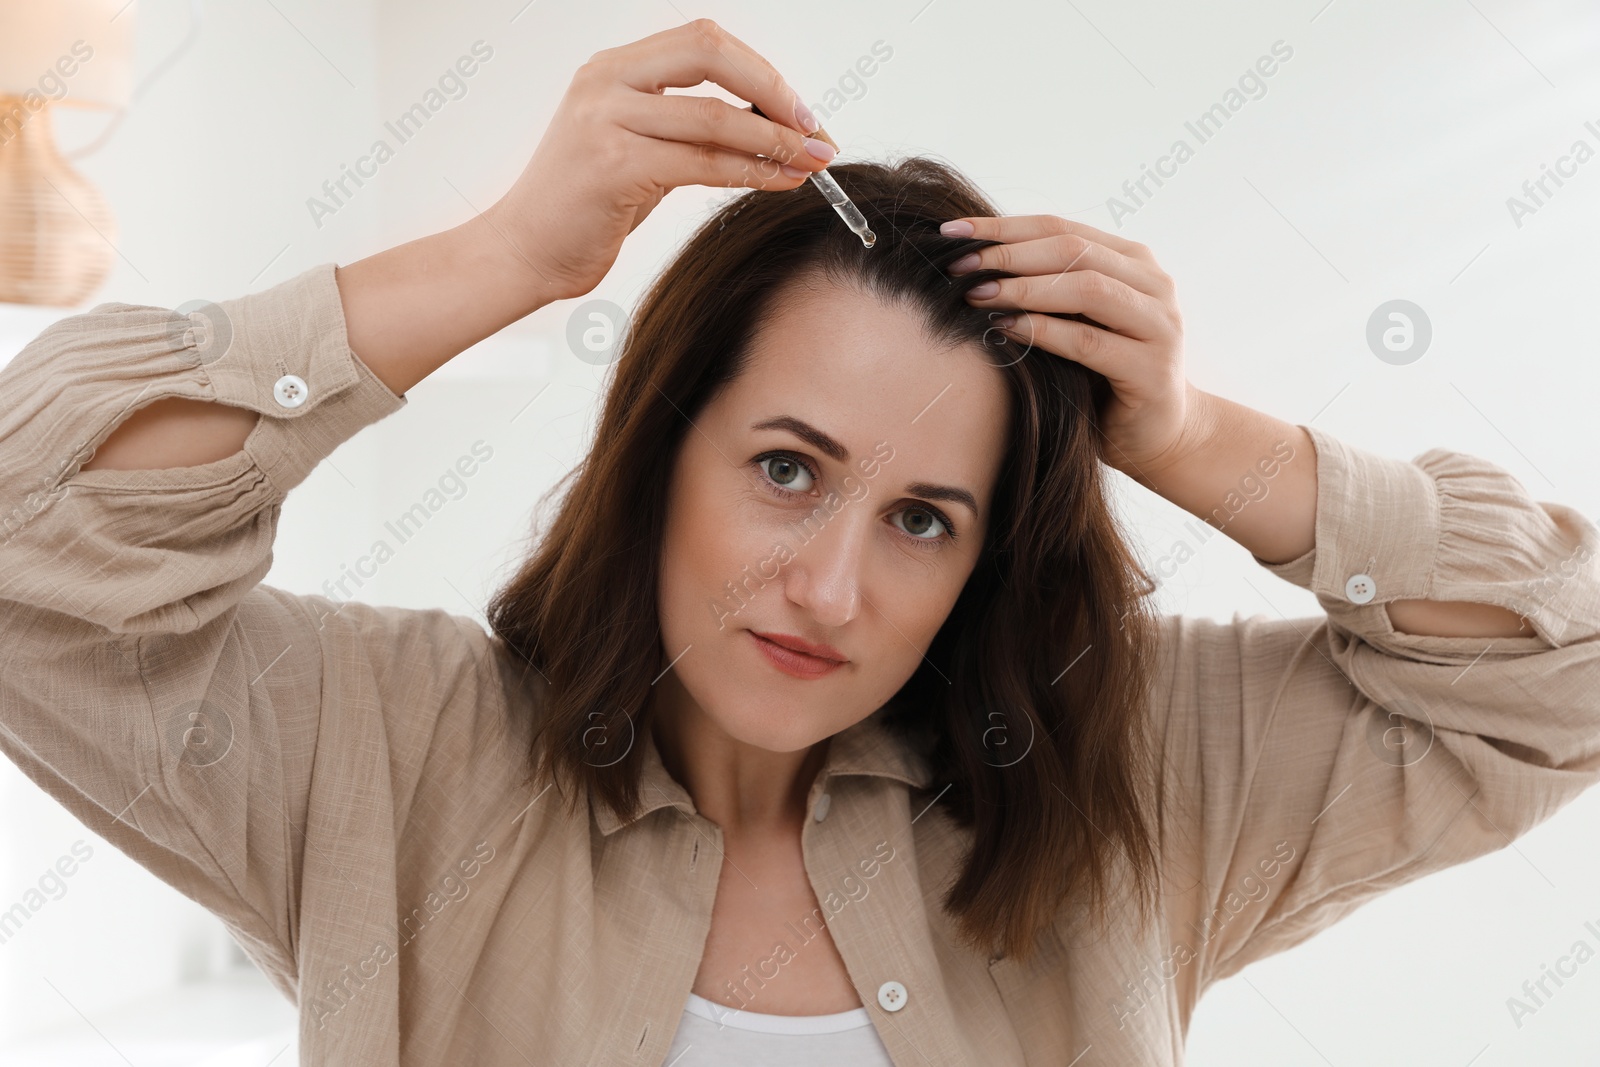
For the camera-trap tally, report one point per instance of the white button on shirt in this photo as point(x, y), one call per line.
point(1360, 589)
point(892, 995)
point(290, 391)
point(820, 812)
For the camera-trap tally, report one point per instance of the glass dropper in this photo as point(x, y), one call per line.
point(842, 204)
point(846, 208)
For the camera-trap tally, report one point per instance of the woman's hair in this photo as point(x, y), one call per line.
point(1047, 645)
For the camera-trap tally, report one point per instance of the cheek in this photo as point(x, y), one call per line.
point(914, 611)
point(712, 538)
point(917, 589)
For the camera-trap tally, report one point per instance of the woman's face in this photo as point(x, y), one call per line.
point(836, 492)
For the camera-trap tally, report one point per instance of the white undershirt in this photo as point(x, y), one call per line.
point(710, 1035)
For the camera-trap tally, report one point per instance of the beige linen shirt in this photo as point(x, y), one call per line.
point(341, 783)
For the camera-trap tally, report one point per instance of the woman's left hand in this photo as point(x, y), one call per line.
point(1066, 266)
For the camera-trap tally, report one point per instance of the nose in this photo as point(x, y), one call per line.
point(824, 576)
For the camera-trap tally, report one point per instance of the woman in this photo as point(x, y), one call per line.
point(829, 721)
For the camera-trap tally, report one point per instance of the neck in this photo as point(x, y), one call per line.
point(740, 787)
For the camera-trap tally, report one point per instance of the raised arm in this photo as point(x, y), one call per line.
point(1254, 477)
point(1102, 300)
point(614, 148)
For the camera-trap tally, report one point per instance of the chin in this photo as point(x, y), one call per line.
point(756, 717)
point(759, 706)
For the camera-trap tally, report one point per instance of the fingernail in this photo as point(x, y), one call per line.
point(808, 121)
point(792, 172)
point(964, 264)
point(958, 228)
point(821, 149)
point(1005, 321)
point(984, 289)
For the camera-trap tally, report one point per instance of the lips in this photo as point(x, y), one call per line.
point(797, 644)
point(797, 657)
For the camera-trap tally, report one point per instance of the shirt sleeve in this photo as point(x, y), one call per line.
point(219, 731)
point(1318, 762)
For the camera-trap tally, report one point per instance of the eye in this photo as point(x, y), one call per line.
point(786, 472)
point(926, 526)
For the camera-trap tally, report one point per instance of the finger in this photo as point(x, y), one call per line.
point(674, 164)
point(705, 120)
point(1059, 253)
point(1016, 228)
point(819, 133)
point(1084, 292)
point(700, 51)
point(1100, 350)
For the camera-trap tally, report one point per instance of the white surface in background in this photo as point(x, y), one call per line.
point(19, 325)
point(234, 1021)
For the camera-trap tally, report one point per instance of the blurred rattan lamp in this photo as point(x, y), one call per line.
point(56, 231)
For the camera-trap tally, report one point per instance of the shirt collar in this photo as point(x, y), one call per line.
point(866, 748)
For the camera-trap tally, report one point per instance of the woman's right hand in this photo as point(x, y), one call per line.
point(617, 144)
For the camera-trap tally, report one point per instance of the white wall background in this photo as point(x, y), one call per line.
point(1376, 165)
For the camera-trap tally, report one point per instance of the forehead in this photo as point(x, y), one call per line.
point(864, 371)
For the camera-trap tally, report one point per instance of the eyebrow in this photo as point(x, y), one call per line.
point(831, 448)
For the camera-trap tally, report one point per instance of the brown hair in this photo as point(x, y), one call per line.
point(1055, 583)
